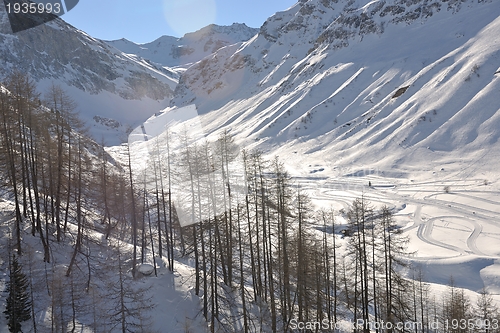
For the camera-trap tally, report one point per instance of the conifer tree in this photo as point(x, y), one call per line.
point(18, 307)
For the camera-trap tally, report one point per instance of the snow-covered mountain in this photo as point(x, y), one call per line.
point(395, 101)
point(353, 81)
point(192, 47)
point(109, 87)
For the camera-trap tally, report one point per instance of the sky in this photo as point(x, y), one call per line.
point(145, 21)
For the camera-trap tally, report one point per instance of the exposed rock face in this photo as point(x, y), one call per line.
point(57, 51)
point(107, 122)
point(356, 19)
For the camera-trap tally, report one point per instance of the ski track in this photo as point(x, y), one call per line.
point(420, 194)
point(425, 234)
point(471, 241)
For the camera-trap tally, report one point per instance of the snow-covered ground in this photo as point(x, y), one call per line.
point(175, 307)
point(452, 223)
point(453, 234)
point(451, 219)
point(451, 212)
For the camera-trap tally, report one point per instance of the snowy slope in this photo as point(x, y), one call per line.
point(321, 78)
point(103, 81)
point(192, 47)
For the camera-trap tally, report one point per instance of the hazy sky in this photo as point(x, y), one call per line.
point(144, 21)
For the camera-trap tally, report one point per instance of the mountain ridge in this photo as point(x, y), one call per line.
point(102, 80)
point(45, 59)
point(192, 47)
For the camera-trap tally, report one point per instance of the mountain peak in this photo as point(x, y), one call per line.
point(240, 29)
point(192, 47)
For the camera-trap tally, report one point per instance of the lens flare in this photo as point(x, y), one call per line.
point(189, 15)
